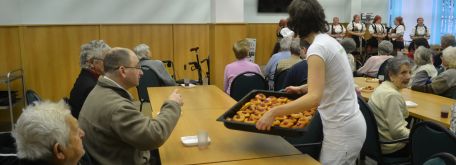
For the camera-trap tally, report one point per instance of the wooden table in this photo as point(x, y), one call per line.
point(202, 106)
point(291, 159)
point(429, 105)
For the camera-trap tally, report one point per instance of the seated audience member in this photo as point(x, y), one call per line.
point(143, 53)
point(297, 75)
point(336, 30)
point(282, 31)
point(415, 44)
point(389, 107)
point(284, 53)
point(349, 46)
point(446, 80)
point(295, 50)
point(116, 132)
point(445, 41)
point(91, 56)
point(242, 64)
point(47, 133)
point(370, 68)
point(423, 70)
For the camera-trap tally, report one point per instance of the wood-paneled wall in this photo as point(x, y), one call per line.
point(265, 40)
point(222, 38)
point(50, 54)
point(50, 57)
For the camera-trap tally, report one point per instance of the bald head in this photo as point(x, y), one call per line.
point(117, 57)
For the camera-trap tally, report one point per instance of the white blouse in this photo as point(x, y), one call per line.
point(356, 27)
point(378, 27)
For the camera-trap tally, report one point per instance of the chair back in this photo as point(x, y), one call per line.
point(450, 93)
point(148, 79)
point(428, 138)
point(8, 150)
point(382, 70)
point(246, 82)
point(442, 158)
point(31, 97)
point(279, 79)
point(371, 146)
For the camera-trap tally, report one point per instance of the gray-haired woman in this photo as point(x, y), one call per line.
point(445, 83)
point(143, 53)
point(389, 107)
point(423, 70)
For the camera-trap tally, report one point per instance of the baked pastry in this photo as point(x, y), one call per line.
point(260, 96)
point(238, 118)
point(286, 124)
point(297, 115)
point(282, 99)
point(276, 123)
point(243, 113)
point(250, 120)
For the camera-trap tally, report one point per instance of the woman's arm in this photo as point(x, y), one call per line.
point(316, 86)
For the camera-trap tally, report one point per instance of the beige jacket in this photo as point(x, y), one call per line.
point(287, 63)
point(116, 132)
point(390, 111)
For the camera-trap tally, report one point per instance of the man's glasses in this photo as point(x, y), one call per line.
point(131, 67)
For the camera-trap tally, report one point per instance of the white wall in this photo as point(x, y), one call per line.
point(377, 7)
point(103, 11)
point(224, 11)
point(409, 8)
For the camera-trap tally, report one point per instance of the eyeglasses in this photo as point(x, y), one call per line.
point(131, 67)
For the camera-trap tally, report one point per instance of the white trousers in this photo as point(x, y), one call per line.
point(341, 145)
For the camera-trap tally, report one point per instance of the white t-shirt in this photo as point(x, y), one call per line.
point(339, 102)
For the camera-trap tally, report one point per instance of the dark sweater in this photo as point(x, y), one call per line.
point(85, 82)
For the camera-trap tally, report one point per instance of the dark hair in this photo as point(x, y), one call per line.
point(303, 43)
point(393, 66)
point(306, 16)
point(115, 58)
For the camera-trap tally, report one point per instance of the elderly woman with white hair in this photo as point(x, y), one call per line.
point(46, 133)
point(143, 53)
point(91, 56)
point(370, 68)
point(423, 70)
point(389, 107)
point(445, 83)
point(445, 41)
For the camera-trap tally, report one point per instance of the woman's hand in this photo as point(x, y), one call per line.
point(297, 89)
point(266, 120)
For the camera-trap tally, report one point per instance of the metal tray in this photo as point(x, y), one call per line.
point(275, 130)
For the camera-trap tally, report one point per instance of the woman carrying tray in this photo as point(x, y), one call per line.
point(330, 86)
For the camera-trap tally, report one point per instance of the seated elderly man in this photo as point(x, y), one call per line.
point(445, 83)
point(46, 133)
point(371, 66)
point(284, 53)
point(389, 107)
point(116, 132)
point(91, 56)
point(143, 53)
